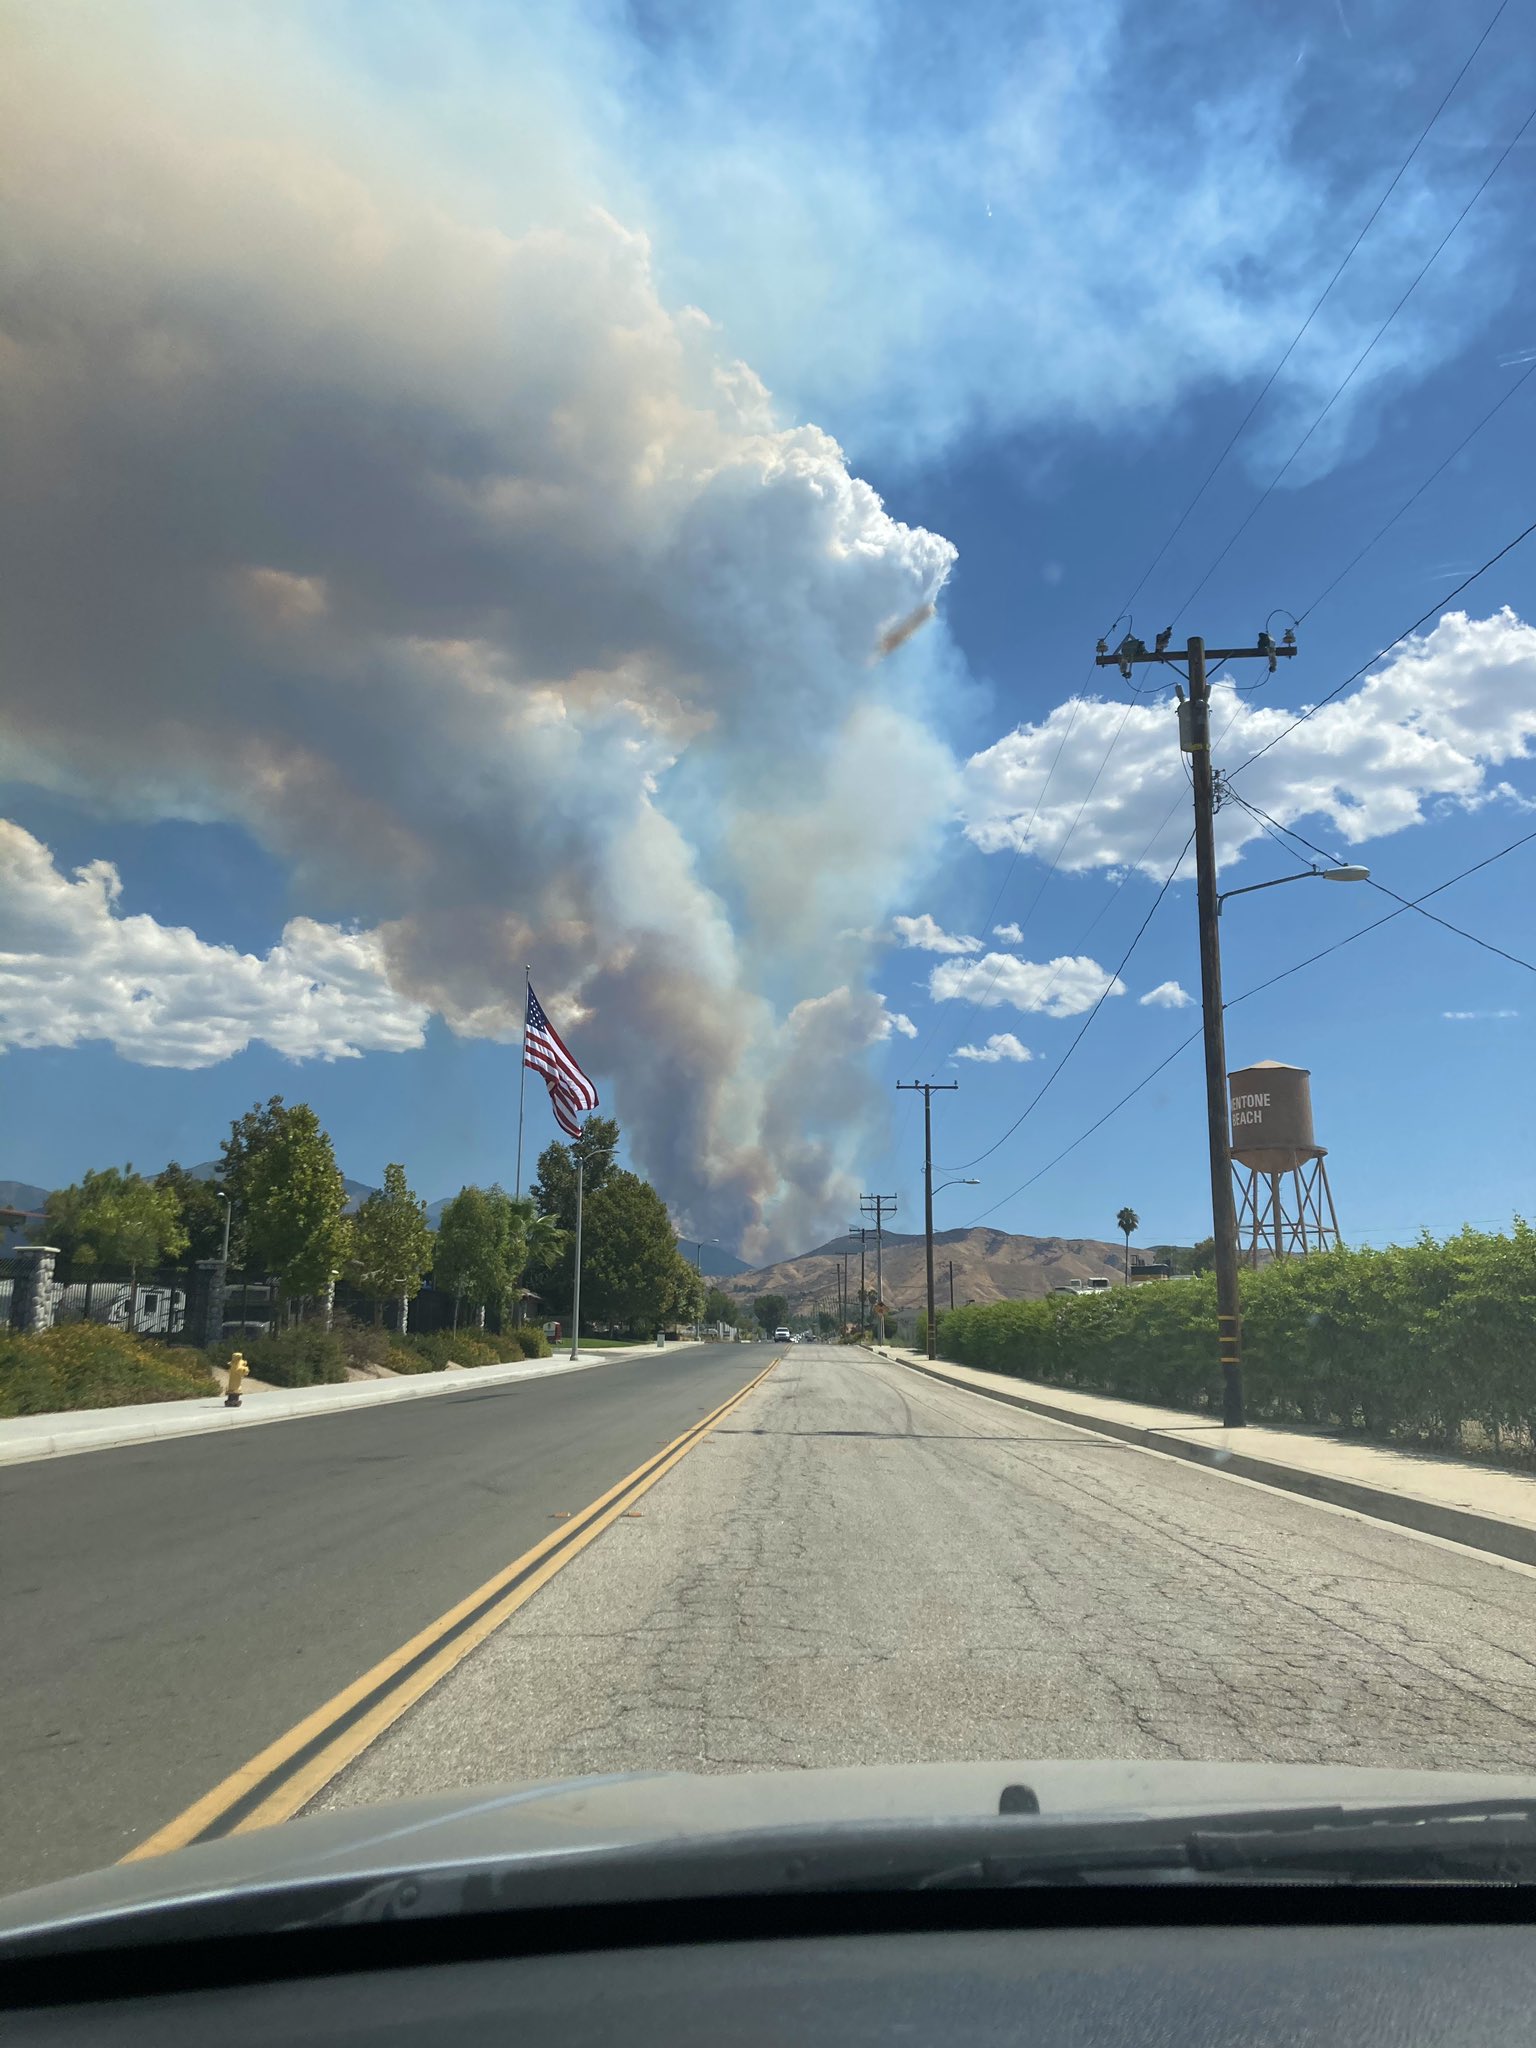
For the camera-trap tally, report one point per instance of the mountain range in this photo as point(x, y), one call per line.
point(988, 1265)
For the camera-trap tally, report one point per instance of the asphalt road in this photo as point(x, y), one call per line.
point(863, 1566)
point(168, 1609)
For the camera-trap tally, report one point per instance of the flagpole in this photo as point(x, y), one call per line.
point(576, 1287)
point(522, 1081)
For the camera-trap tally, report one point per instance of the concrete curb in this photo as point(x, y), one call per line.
point(21, 1443)
point(1431, 1518)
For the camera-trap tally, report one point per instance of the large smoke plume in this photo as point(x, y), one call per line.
point(426, 542)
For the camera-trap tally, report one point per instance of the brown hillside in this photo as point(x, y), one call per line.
point(990, 1265)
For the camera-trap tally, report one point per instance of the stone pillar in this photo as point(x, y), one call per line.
point(205, 1310)
point(32, 1289)
point(328, 1302)
point(403, 1321)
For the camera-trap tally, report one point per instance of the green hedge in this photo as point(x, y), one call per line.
point(91, 1365)
point(308, 1355)
point(1434, 1341)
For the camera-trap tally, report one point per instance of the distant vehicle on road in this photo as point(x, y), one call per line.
point(781, 1335)
point(1094, 1286)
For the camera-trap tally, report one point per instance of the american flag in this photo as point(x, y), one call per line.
point(570, 1092)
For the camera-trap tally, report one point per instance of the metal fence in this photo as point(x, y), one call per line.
point(172, 1303)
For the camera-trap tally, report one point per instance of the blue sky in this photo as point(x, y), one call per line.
point(434, 567)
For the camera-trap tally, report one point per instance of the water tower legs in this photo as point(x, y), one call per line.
point(1287, 1214)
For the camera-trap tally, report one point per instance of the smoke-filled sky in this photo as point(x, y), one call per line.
point(635, 495)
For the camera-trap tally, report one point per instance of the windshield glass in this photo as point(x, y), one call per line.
point(672, 682)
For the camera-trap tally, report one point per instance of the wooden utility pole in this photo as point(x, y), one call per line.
point(929, 1090)
point(1195, 739)
point(857, 1230)
point(879, 1206)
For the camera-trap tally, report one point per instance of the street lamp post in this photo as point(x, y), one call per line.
point(224, 1255)
point(1224, 1216)
point(1306, 875)
point(698, 1244)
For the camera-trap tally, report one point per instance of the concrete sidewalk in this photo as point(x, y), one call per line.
point(25, 1437)
point(1483, 1505)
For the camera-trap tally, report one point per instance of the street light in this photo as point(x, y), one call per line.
point(956, 1184)
point(698, 1244)
point(1306, 875)
point(1219, 1115)
point(224, 1255)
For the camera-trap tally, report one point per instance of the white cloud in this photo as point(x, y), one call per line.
point(1168, 995)
point(1060, 988)
point(1010, 934)
point(74, 969)
point(1428, 727)
point(903, 1024)
point(930, 937)
point(1476, 1016)
point(1002, 1045)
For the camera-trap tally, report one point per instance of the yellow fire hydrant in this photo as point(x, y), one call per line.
point(238, 1373)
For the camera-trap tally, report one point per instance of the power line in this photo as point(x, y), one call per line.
point(1055, 1072)
point(1285, 972)
point(1408, 502)
point(1269, 381)
point(1408, 903)
point(1183, 1046)
point(1350, 374)
point(1350, 938)
point(1382, 652)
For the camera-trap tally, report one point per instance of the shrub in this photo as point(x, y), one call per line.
point(308, 1355)
point(444, 1347)
point(529, 1339)
point(91, 1365)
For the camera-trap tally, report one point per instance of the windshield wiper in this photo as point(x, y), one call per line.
point(1486, 1841)
point(1471, 1840)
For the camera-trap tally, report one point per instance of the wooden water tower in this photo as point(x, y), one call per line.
point(1284, 1202)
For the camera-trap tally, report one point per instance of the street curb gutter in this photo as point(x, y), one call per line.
point(297, 1404)
point(1430, 1518)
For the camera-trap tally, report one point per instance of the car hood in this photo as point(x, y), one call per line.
point(560, 1838)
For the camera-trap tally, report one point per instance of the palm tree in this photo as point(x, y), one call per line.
point(1125, 1223)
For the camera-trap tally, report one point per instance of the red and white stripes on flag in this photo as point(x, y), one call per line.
point(571, 1094)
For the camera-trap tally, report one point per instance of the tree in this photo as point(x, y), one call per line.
point(472, 1256)
point(391, 1244)
point(719, 1307)
point(249, 1136)
point(770, 1310)
point(1125, 1223)
point(542, 1239)
point(554, 1183)
point(199, 1209)
point(632, 1272)
point(826, 1323)
point(550, 1267)
point(1185, 1259)
point(294, 1198)
point(485, 1240)
point(114, 1217)
point(688, 1292)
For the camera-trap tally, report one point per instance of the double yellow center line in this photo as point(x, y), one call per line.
point(285, 1776)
